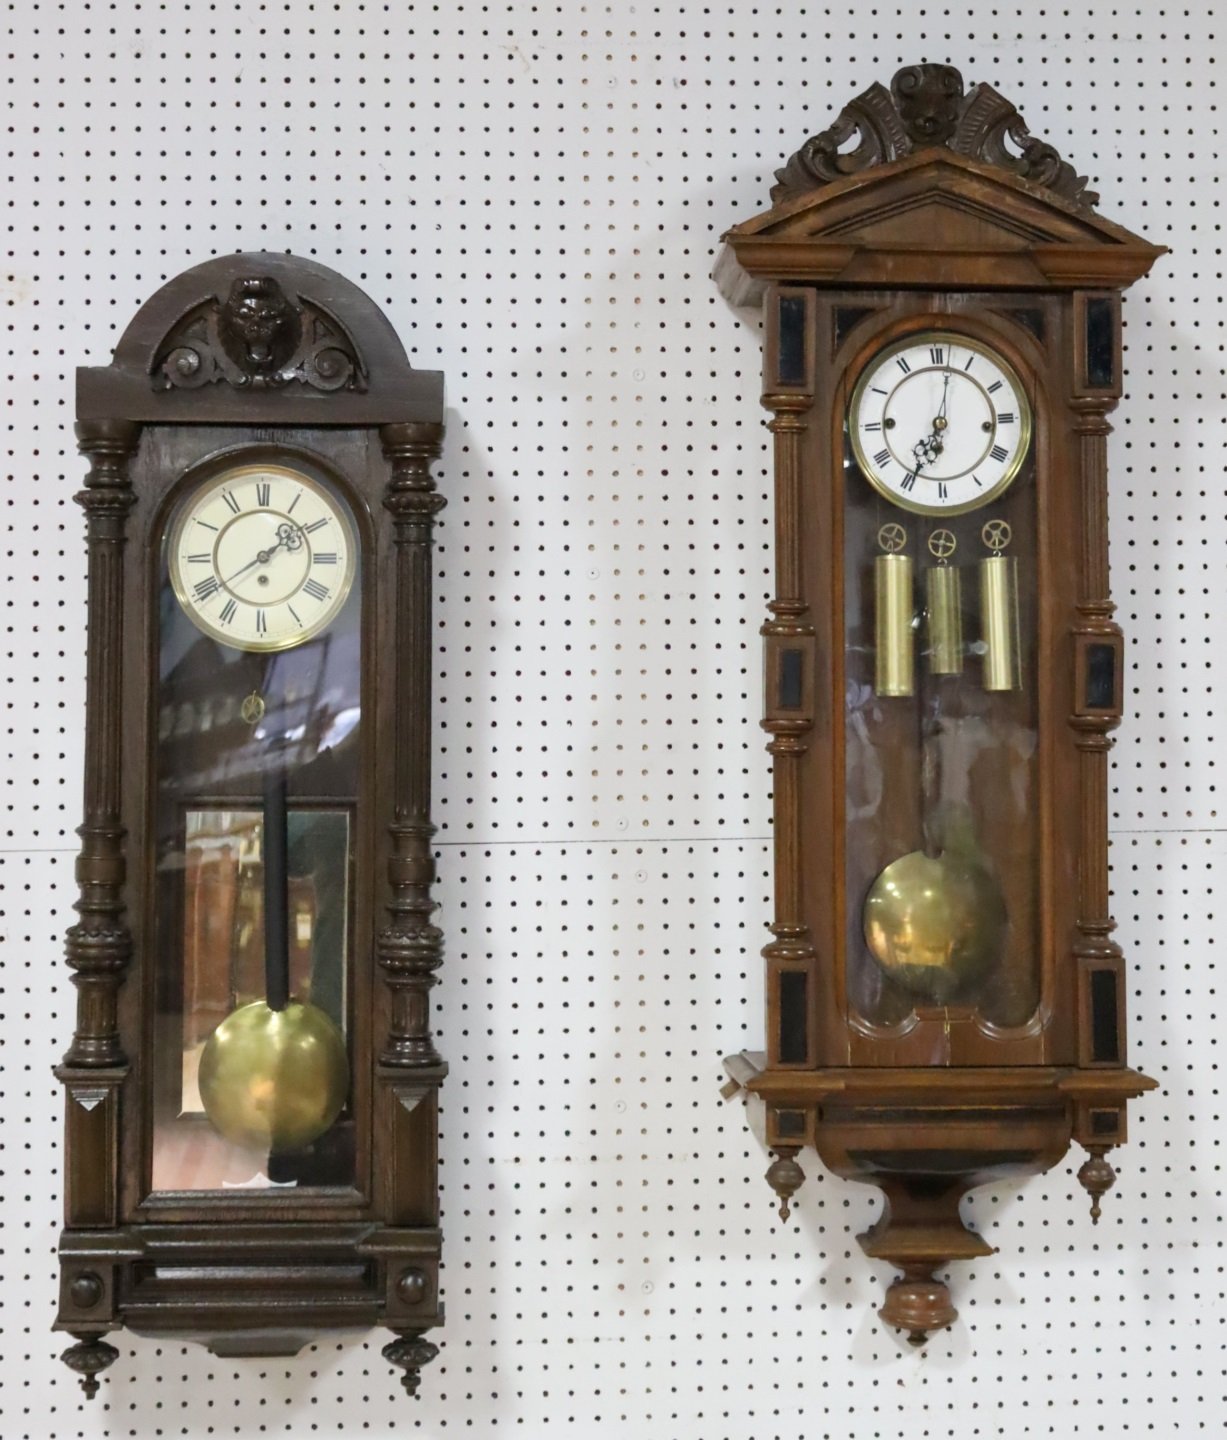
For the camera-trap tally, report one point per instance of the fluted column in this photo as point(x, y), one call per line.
point(410, 948)
point(99, 945)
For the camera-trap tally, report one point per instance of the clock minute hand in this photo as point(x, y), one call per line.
point(284, 534)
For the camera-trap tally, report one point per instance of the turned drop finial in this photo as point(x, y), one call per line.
point(1096, 1177)
point(785, 1177)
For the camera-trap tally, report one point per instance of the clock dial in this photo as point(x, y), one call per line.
point(939, 423)
point(261, 557)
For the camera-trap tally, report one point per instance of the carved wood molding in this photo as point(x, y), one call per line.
point(926, 106)
point(258, 338)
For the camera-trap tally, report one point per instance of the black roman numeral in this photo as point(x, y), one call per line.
point(878, 391)
point(970, 362)
point(1006, 417)
point(872, 425)
point(228, 611)
point(881, 457)
point(294, 612)
point(315, 525)
point(294, 502)
point(324, 557)
point(998, 452)
point(205, 588)
point(231, 501)
point(903, 365)
point(937, 354)
point(941, 489)
point(206, 524)
point(909, 481)
point(979, 482)
point(994, 387)
point(199, 559)
point(264, 493)
point(316, 590)
point(261, 623)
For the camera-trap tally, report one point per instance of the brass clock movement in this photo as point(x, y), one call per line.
point(945, 1001)
point(252, 1086)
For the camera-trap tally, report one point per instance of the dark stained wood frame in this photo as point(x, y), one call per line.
point(259, 1273)
point(882, 246)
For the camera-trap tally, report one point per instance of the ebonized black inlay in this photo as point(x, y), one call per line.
point(792, 340)
point(1105, 1122)
point(1100, 677)
point(790, 1124)
point(794, 1047)
point(1105, 1023)
point(791, 672)
point(1100, 343)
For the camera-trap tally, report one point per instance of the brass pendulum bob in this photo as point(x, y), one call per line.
point(999, 611)
point(944, 607)
point(894, 640)
point(274, 1074)
point(934, 919)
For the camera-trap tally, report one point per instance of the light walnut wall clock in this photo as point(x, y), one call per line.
point(946, 1003)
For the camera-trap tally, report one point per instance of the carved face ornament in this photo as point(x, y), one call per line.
point(259, 322)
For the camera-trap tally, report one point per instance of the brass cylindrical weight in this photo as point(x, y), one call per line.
point(893, 636)
point(999, 622)
point(944, 597)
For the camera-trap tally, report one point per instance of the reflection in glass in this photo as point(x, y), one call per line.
point(942, 794)
point(228, 717)
point(223, 935)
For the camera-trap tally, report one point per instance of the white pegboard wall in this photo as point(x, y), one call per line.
point(534, 192)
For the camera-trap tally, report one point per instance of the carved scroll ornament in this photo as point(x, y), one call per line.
point(926, 106)
point(258, 338)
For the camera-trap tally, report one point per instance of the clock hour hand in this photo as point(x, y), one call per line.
point(928, 449)
point(288, 535)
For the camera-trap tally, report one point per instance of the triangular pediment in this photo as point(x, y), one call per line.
point(935, 197)
point(931, 215)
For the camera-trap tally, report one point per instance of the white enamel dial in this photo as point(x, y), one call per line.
point(939, 423)
point(261, 557)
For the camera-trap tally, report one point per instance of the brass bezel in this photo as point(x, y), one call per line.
point(190, 502)
point(1025, 420)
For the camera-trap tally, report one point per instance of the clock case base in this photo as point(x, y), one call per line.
point(925, 1138)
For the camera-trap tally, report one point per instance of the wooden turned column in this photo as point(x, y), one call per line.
point(1094, 610)
point(791, 948)
point(789, 734)
point(410, 948)
point(99, 946)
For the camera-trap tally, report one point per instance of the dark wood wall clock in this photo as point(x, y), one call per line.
point(252, 1086)
point(945, 1001)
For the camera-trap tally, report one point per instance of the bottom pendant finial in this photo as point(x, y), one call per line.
point(410, 1352)
point(89, 1357)
point(1096, 1177)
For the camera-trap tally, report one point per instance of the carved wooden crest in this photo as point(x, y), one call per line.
point(926, 106)
point(258, 337)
